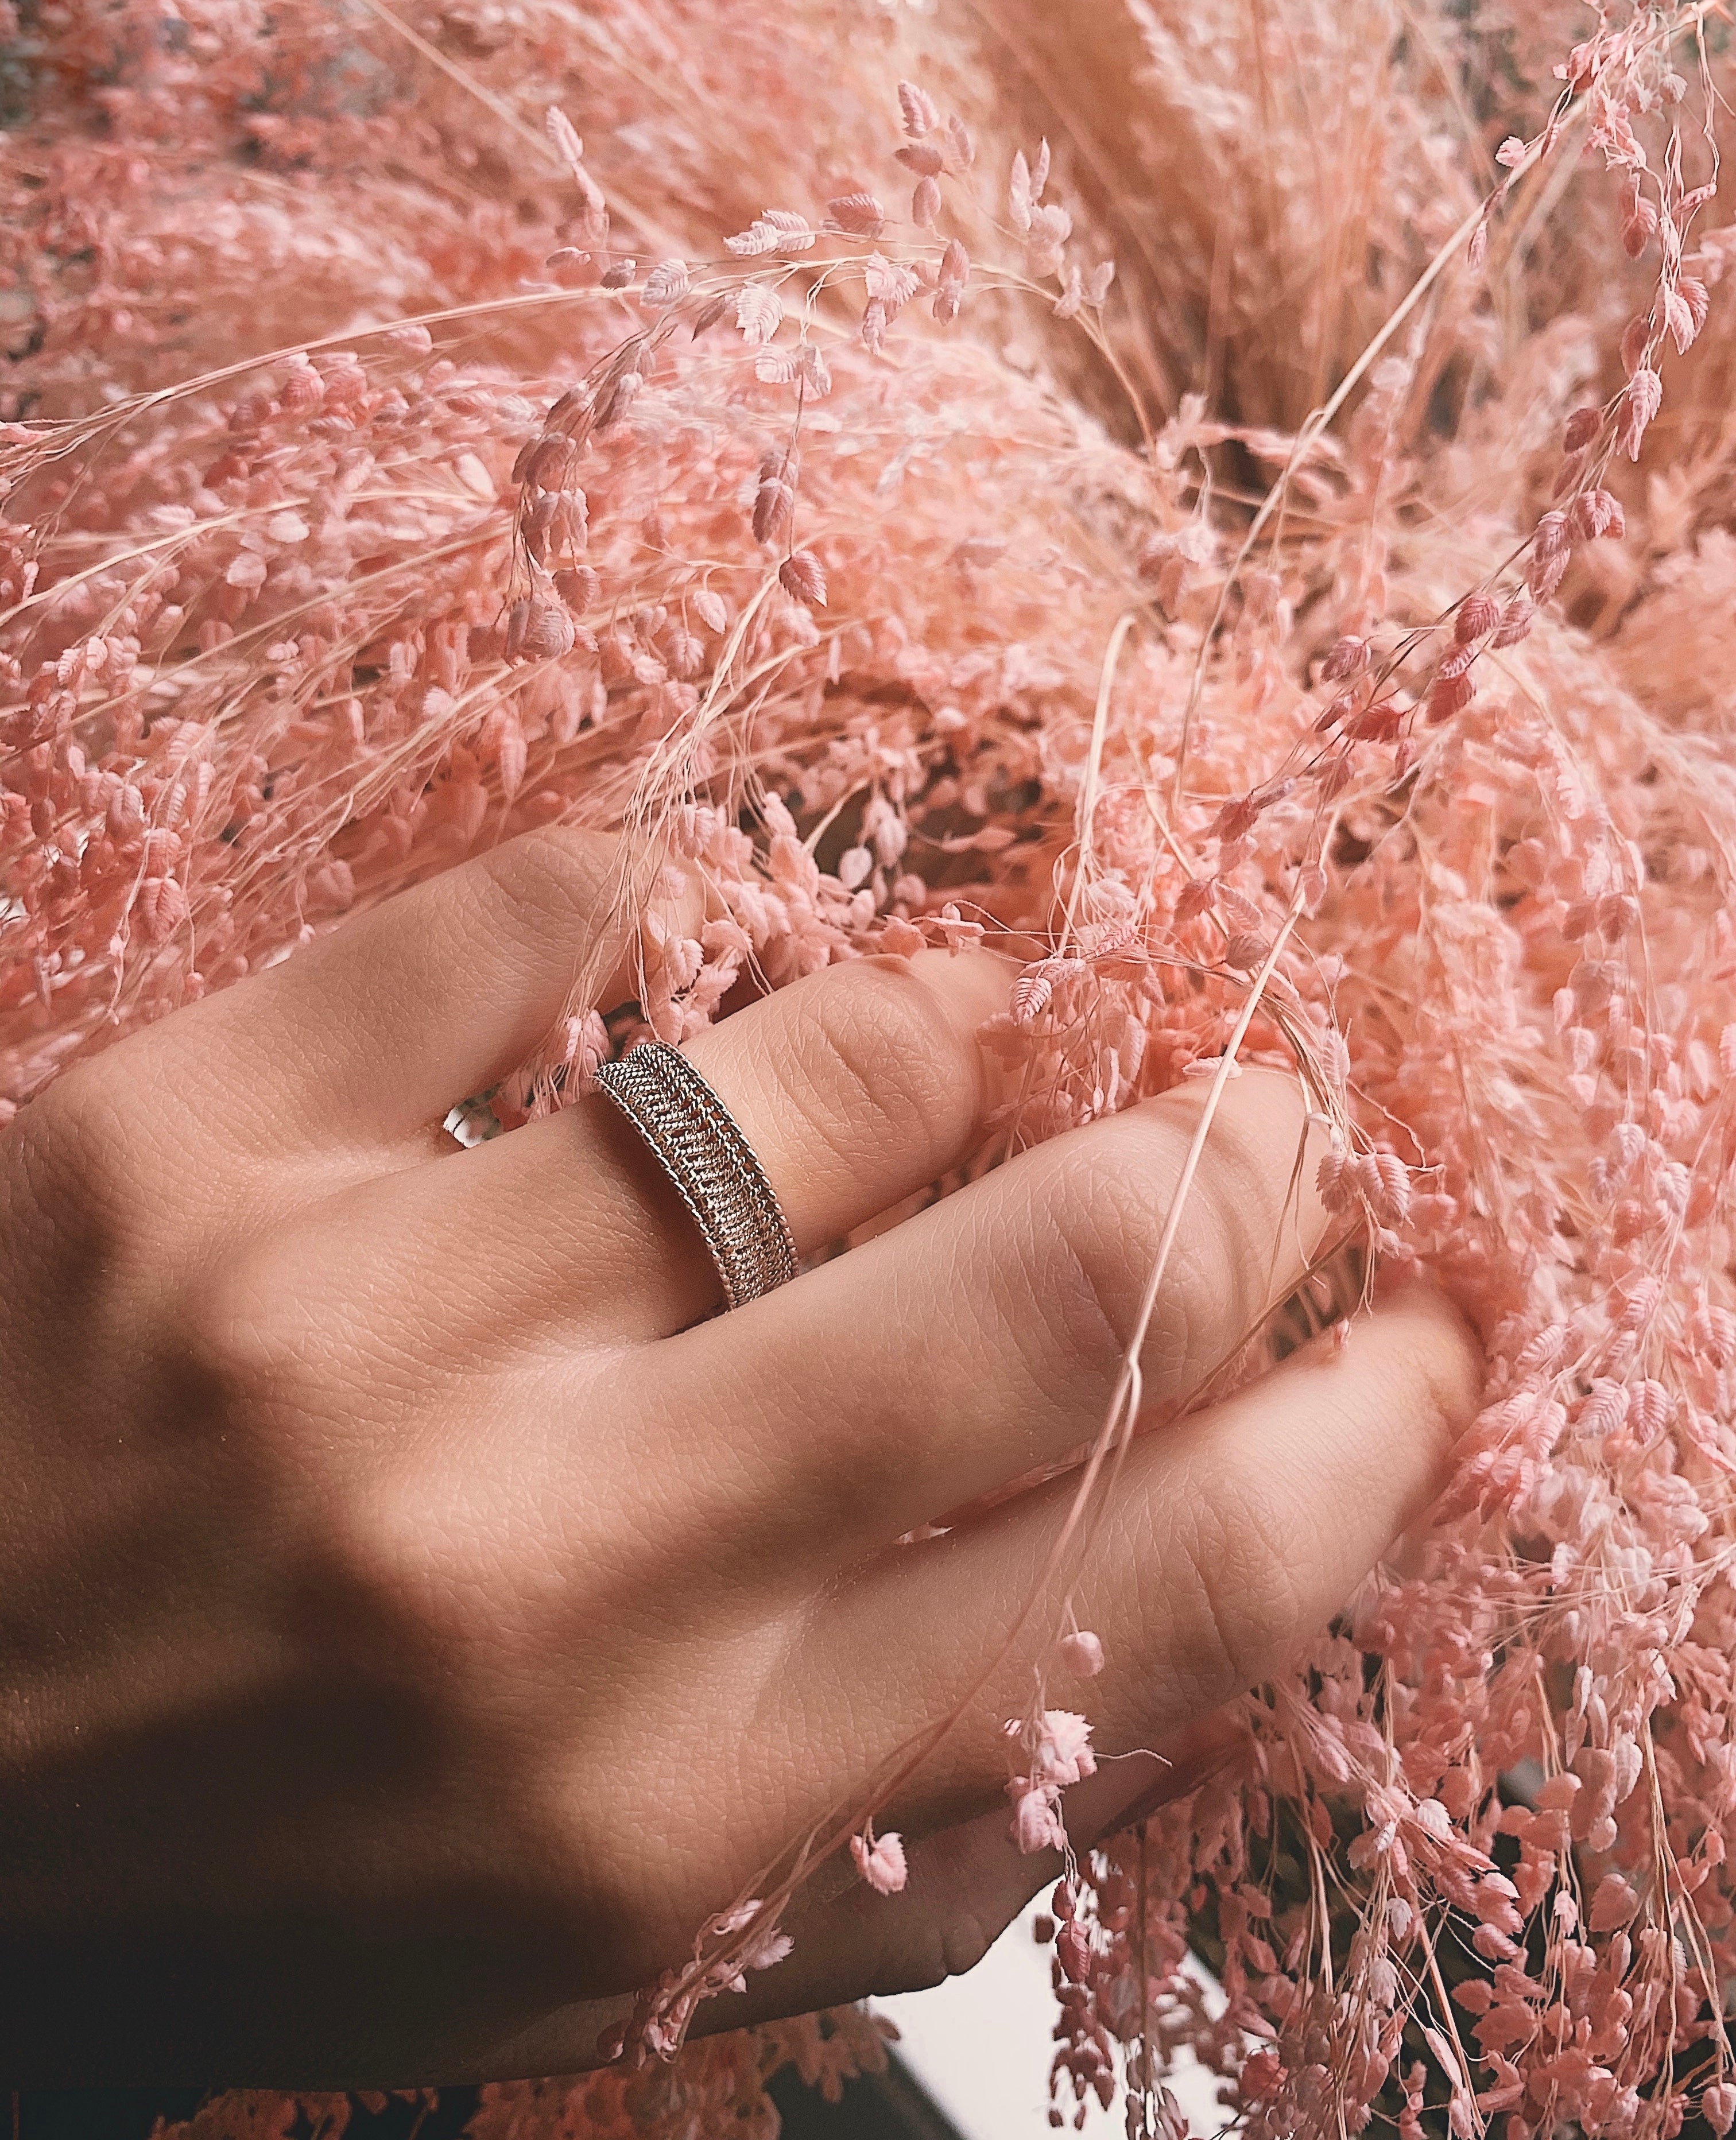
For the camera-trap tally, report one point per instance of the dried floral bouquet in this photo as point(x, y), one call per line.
point(1236, 503)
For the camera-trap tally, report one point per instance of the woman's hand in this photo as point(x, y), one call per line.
point(415, 1620)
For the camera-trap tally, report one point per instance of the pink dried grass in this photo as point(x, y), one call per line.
point(389, 470)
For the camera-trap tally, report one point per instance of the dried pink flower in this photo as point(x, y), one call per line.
point(1348, 657)
point(1641, 401)
point(298, 633)
point(860, 213)
point(800, 574)
point(1082, 1654)
point(920, 115)
point(1478, 615)
point(1584, 425)
point(880, 1862)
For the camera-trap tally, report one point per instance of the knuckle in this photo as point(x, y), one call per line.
point(545, 882)
point(243, 1338)
point(1450, 1370)
point(396, 1582)
point(70, 1144)
point(873, 1061)
point(1095, 1208)
point(1095, 1236)
point(1118, 1198)
point(1233, 1606)
point(389, 1564)
point(1214, 1288)
point(269, 1336)
point(71, 1188)
point(1064, 1322)
point(1219, 1258)
point(435, 1565)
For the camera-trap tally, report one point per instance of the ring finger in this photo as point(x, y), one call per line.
point(1234, 1536)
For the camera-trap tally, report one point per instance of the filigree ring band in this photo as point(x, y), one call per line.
point(699, 1144)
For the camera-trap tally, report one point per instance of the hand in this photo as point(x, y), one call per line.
point(415, 1621)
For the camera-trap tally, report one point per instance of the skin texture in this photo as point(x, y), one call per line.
point(419, 1614)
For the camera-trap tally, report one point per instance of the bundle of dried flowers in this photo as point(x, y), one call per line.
point(1306, 636)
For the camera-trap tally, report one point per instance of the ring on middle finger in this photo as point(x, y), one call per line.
point(701, 1148)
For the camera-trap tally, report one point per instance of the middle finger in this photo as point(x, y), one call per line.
point(855, 1087)
point(982, 1338)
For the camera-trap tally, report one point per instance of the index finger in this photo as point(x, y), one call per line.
point(373, 1035)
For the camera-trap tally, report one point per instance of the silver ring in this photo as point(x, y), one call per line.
point(699, 1144)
